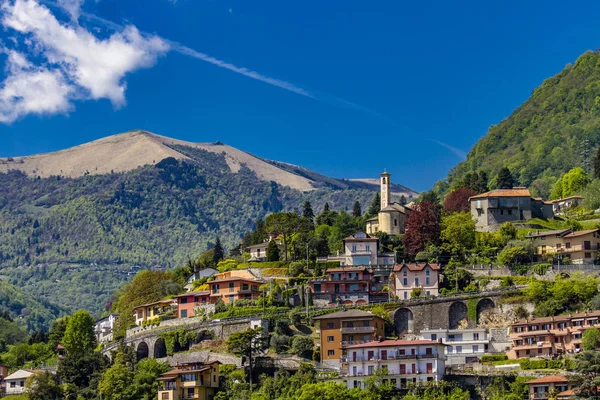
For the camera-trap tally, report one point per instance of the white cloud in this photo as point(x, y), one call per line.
point(73, 7)
point(72, 62)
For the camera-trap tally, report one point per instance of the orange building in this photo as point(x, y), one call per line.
point(345, 328)
point(542, 388)
point(234, 285)
point(190, 381)
point(550, 336)
point(188, 302)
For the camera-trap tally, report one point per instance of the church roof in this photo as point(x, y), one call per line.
point(394, 207)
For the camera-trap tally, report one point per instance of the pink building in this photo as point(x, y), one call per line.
point(409, 277)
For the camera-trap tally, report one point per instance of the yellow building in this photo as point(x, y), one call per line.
point(190, 381)
point(150, 311)
point(581, 247)
point(392, 216)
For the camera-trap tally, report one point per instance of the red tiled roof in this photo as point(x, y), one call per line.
point(515, 192)
point(353, 238)
point(199, 293)
point(580, 233)
point(558, 318)
point(347, 269)
point(393, 343)
point(416, 267)
point(549, 379)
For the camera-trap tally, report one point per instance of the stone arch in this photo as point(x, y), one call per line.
point(457, 312)
point(483, 305)
point(361, 302)
point(160, 348)
point(404, 320)
point(142, 351)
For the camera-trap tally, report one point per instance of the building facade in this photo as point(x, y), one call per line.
point(197, 275)
point(191, 303)
point(392, 216)
point(344, 285)
point(409, 277)
point(15, 382)
point(104, 328)
point(543, 388)
point(234, 285)
point(361, 249)
point(550, 336)
point(581, 246)
point(492, 209)
point(560, 206)
point(404, 362)
point(152, 311)
point(190, 381)
point(341, 329)
point(463, 346)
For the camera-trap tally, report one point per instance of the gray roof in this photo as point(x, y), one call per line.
point(347, 314)
point(558, 232)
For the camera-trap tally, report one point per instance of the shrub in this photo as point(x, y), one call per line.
point(416, 292)
point(302, 346)
point(275, 271)
point(296, 268)
point(521, 312)
point(540, 269)
point(493, 357)
point(507, 281)
point(280, 343)
point(220, 306)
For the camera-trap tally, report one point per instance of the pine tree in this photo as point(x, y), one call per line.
point(307, 211)
point(375, 205)
point(597, 164)
point(505, 179)
point(326, 208)
point(356, 211)
point(403, 200)
point(219, 252)
point(272, 251)
point(482, 183)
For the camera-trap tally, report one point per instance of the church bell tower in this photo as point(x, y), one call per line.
point(385, 189)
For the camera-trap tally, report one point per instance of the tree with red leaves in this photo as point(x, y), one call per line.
point(458, 200)
point(422, 228)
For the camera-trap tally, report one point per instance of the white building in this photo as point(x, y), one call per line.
point(258, 252)
point(463, 345)
point(197, 275)
point(15, 382)
point(361, 249)
point(104, 328)
point(405, 361)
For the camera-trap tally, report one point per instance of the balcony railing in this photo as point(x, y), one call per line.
point(361, 252)
point(357, 329)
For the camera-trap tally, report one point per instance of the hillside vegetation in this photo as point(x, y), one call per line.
point(555, 130)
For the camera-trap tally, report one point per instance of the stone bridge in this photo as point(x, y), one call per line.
point(148, 343)
point(444, 312)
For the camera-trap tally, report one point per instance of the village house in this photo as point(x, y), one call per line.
point(559, 206)
point(152, 311)
point(492, 209)
point(542, 388)
point(190, 381)
point(15, 382)
point(580, 246)
point(345, 328)
point(361, 249)
point(258, 252)
point(234, 285)
point(197, 275)
point(392, 216)
point(409, 277)
point(344, 285)
point(404, 362)
point(188, 304)
point(550, 336)
point(463, 345)
point(103, 328)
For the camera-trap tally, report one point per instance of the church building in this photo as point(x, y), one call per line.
point(392, 216)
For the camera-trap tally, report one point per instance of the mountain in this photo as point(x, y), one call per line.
point(556, 129)
point(142, 199)
point(128, 151)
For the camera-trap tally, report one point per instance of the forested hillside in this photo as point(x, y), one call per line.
point(556, 129)
point(161, 214)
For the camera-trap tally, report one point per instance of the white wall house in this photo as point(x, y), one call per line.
point(15, 382)
point(104, 328)
point(463, 345)
point(405, 361)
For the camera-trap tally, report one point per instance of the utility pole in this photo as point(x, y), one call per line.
point(307, 257)
point(306, 291)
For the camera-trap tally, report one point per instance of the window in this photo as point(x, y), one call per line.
point(365, 323)
point(539, 351)
point(230, 287)
point(330, 338)
point(476, 336)
point(395, 222)
point(568, 245)
point(330, 325)
point(190, 393)
point(587, 255)
point(501, 212)
point(182, 300)
point(434, 336)
point(350, 325)
point(188, 377)
point(13, 384)
point(330, 352)
point(427, 281)
point(368, 247)
point(216, 288)
point(417, 281)
point(353, 248)
point(166, 396)
point(370, 370)
point(244, 286)
point(546, 327)
point(427, 293)
point(509, 212)
point(427, 272)
point(475, 348)
point(405, 281)
point(459, 349)
point(183, 314)
point(405, 295)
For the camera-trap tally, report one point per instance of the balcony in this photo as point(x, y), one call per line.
point(357, 329)
point(360, 252)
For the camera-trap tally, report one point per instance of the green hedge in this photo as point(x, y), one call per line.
point(493, 357)
point(527, 363)
point(247, 311)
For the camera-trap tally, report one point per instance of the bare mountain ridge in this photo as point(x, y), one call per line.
point(127, 151)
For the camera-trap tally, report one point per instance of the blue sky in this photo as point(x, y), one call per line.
point(374, 85)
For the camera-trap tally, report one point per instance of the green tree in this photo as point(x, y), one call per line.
point(117, 381)
point(458, 233)
point(219, 252)
point(587, 366)
point(591, 339)
point(597, 164)
point(375, 206)
point(247, 344)
point(591, 195)
point(307, 211)
point(513, 256)
point(79, 335)
point(505, 179)
point(302, 346)
point(43, 386)
point(284, 224)
point(272, 251)
point(326, 391)
point(570, 183)
point(356, 211)
point(81, 373)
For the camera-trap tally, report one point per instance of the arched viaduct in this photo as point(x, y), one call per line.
point(443, 313)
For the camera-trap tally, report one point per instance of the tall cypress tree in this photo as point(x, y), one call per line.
point(307, 211)
point(505, 179)
point(375, 205)
point(219, 251)
point(356, 211)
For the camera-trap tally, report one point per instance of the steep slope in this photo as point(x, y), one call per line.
point(556, 129)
